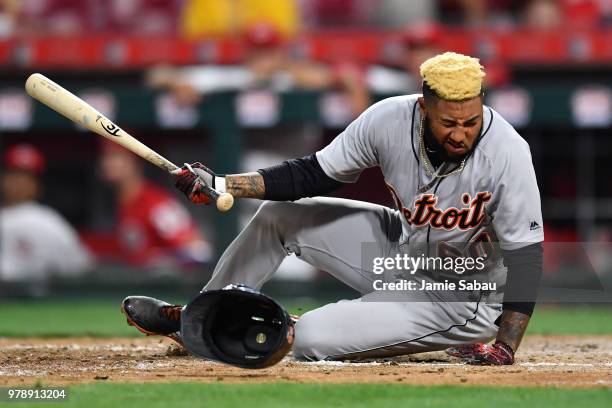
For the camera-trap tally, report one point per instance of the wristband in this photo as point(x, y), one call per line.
point(219, 184)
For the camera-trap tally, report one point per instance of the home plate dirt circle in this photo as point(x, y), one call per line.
point(561, 361)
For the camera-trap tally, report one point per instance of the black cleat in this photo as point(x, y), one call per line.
point(153, 317)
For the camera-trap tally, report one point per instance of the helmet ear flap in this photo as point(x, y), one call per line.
point(237, 325)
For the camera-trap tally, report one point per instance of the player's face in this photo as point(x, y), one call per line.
point(454, 126)
point(18, 186)
point(117, 166)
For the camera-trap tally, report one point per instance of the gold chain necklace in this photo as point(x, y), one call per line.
point(425, 159)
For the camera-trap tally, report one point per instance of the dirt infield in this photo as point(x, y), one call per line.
point(564, 361)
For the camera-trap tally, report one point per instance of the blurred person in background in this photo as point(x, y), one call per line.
point(417, 43)
point(8, 16)
point(481, 13)
point(543, 15)
point(153, 229)
point(35, 240)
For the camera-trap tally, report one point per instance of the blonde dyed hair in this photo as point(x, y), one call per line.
point(453, 76)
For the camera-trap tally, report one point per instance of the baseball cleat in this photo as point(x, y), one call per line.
point(153, 317)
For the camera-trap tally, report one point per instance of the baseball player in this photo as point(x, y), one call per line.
point(457, 171)
point(35, 240)
point(153, 229)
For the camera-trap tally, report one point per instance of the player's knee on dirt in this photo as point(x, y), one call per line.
point(310, 342)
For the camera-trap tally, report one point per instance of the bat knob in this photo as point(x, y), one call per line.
point(225, 202)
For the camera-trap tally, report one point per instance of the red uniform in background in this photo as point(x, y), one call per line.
point(152, 226)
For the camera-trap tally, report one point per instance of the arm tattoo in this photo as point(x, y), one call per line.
point(512, 327)
point(246, 185)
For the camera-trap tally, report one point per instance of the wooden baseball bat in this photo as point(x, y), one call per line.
point(77, 110)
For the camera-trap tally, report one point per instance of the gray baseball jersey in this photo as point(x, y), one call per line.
point(496, 193)
point(498, 180)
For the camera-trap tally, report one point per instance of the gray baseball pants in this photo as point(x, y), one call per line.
point(328, 233)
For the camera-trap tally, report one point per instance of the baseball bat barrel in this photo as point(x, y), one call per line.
point(77, 110)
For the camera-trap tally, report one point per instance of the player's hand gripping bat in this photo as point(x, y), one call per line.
point(77, 110)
